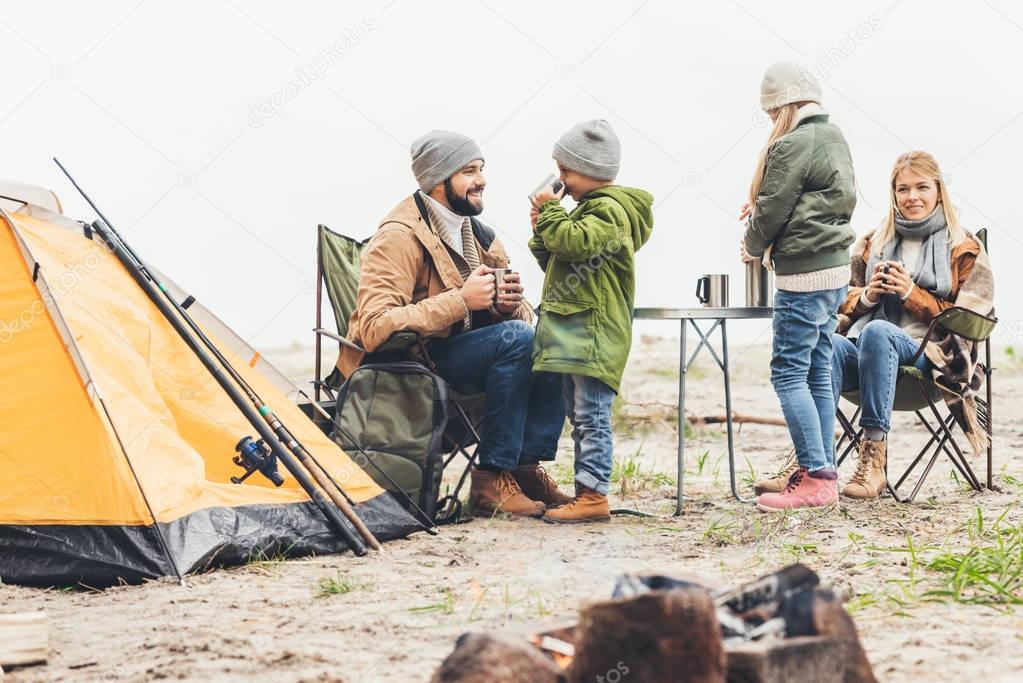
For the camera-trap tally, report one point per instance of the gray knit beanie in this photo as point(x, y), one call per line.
point(590, 148)
point(439, 154)
point(787, 82)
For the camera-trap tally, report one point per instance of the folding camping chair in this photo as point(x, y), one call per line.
point(338, 265)
point(917, 393)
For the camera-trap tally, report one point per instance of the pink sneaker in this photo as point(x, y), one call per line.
point(803, 491)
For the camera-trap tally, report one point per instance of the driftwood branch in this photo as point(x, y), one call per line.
point(737, 418)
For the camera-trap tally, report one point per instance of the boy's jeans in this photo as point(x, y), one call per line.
point(523, 415)
point(588, 404)
point(801, 371)
point(871, 364)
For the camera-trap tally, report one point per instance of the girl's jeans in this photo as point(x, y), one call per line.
point(801, 371)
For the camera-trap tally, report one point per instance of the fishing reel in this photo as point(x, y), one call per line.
point(256, 456)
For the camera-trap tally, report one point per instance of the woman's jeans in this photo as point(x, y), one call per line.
point(804, 323)
point(588, 404)
point(871, 363)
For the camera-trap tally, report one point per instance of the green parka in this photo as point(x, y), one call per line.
point(588, 256)
point(806, 200)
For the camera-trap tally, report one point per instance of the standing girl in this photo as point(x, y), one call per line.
point(800, 204)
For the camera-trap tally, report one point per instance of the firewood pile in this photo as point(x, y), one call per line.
point(781, 627)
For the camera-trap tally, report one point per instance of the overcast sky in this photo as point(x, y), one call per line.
point(184, 121)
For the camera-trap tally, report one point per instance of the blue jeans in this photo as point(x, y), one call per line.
point(801, 371)
point(588, 405)
point(871, 364)
point(523, 413)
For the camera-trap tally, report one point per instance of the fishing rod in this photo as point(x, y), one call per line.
point(252, 456)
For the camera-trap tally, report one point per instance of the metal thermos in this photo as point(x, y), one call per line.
point(759, 285)
point(712, 291)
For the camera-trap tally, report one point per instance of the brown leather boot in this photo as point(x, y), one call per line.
point(498, 492)
point(587, 506)
point(869, 479)
point(778, 482)
point(538, 485)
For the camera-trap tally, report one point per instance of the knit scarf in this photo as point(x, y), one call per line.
point(933, 272)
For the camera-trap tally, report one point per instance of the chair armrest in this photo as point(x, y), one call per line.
point(961, 321)
point(966, 323)
point(338, 338)
point(399, 341)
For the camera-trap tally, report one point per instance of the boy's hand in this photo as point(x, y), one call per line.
point(509, 296)
point(534, 213)
point(478, 290)
point(545, 195)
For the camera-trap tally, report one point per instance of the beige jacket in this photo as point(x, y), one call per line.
point(408, 281)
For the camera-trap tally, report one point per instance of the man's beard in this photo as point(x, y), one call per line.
point(460, 205)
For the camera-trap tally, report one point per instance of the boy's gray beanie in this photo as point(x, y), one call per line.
point(590, 148)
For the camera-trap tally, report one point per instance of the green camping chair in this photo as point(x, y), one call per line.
point(919, 394)
point(338, 265)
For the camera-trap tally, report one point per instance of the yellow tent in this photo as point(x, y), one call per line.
point(116, 444)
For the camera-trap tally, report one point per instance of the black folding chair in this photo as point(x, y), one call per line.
point(919, 394)
point(338, 265)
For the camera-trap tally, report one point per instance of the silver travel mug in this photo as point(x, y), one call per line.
point(499, 274)
point(712, 291)
point(759, 285)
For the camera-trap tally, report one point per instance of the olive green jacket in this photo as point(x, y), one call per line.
point(806, 200)
point(589, 257)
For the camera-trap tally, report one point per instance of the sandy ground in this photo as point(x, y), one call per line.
point(270, 621)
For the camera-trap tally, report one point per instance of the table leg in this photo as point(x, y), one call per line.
point(728, 414)
point(681, 464)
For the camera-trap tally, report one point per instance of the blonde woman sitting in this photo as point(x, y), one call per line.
point(933, 264)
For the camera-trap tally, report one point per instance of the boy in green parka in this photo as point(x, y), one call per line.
point(585, 327)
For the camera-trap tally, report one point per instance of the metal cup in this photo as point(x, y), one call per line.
point(759, 285)
point(712, 291)
point(551, 182)
point(499, 274)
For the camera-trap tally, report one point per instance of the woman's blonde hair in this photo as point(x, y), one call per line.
point(783, 125)
point(926, 165)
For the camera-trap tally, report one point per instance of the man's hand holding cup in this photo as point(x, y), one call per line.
point(508, 295)
point(479, 290)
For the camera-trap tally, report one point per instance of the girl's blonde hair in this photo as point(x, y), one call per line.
point(926, 165)
point(783, 125)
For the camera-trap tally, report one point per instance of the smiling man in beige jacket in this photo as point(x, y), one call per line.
point(429, 269)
